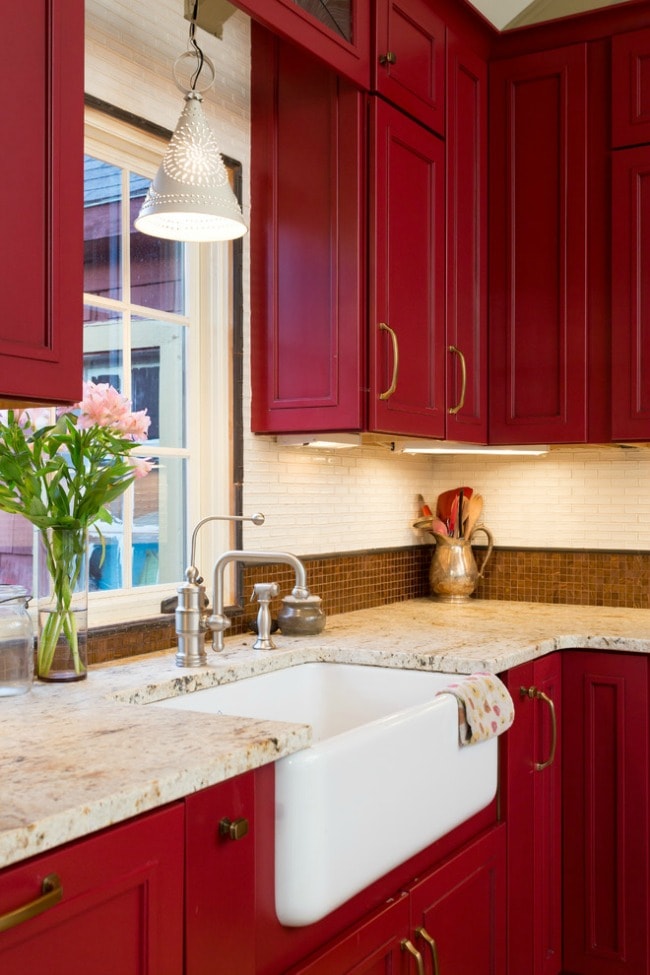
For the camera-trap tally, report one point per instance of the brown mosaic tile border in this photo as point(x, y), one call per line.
point(361, 580)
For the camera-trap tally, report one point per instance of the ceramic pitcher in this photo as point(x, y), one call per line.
point(454, 573)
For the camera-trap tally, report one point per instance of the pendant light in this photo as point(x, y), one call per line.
point(190, 198)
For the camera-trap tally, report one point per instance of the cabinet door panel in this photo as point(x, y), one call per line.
point(631, 294)
point(220, 877)
point(306, 243)
point(606, 813)
point(466, 241)
point(41, 200)
point(468, 889)
point(407, 266)
point(538, 300)
point(631, 88)
point(121, 910)
point(532, 804)
point(371, 948)
point(414, 35)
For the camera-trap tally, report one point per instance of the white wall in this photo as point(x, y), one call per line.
point(321, 502)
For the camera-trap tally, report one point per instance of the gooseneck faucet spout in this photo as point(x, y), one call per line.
point(218, 622)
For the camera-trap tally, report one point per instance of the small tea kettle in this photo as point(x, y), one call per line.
point(453, 574)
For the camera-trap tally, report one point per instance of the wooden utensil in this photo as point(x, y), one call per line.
point(473, 510)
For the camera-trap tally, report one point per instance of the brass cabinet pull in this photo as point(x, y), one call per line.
point(51, 894)
point(535, 694)
point(233, 829)
point(412, 950)
point(388, 58)
point(424, 934)
point(463, 380)
point(393, 383)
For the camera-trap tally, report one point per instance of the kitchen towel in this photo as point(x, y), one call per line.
point(487, 704)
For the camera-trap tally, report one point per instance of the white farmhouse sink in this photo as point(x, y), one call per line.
point(384, 778)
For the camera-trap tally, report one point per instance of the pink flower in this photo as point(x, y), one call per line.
point(103, 406)
point(141, 466)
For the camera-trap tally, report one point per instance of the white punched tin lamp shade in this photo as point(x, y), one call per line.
point(190, 198)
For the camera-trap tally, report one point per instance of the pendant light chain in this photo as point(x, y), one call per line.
point(197, 50)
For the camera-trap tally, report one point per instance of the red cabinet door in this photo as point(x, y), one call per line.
point(409, 63)
point(337, 33)
point(41, 201)
point(220, 879)
point(631, 294)
point(407, 274)
point(532, 806)
point(606, 876)
point(377, 946)
point(538, 246)
point(458, 912)
point(631, 88)
point(307, 243)
point(467, 263)
point(121, 908)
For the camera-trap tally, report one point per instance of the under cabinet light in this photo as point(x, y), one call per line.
point(448, 447)
point(324, 441)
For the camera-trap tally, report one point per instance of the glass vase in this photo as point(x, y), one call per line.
point(62, 653)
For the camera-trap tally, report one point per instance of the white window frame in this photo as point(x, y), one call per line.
point(209, 382)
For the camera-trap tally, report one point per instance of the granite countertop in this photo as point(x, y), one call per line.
point(79, 757)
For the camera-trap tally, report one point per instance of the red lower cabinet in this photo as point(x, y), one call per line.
point(606, 875)
point(377, 946)
point(108, 905)
point(531, 798)
point(452, 921)
point(219, 877)
point(458, 911)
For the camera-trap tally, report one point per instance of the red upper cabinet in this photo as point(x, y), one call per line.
point(336, 32)
point(631, 88)
point(631, 294)
point(407, 275)
point(41, 201)
point(409, 64)
point(538, 252)
point(307, 243)
point(466, 316)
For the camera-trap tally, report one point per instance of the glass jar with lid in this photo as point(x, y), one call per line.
point(16, 642)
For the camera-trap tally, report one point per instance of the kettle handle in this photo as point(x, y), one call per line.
point(482, 528)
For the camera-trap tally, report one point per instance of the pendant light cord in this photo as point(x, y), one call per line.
point(197, 50)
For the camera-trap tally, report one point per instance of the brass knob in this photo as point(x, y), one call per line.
point(233, 829)
point(388, 58)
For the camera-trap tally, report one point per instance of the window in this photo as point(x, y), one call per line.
point(159, 319)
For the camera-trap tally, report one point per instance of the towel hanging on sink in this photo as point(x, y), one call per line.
point(487, 706)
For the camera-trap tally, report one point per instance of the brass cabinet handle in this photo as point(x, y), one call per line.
point(233, 829)
point(412, 950)
point(51, 894)
point(463, 380)
point(424, 934)
point(535, 694)
point(388, 58)
point(393, 383)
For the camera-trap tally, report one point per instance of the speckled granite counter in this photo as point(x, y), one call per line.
point(77, 758)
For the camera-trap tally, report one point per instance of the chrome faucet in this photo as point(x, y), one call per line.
point(191, 610)
point(218, 622)
point(192, 616)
